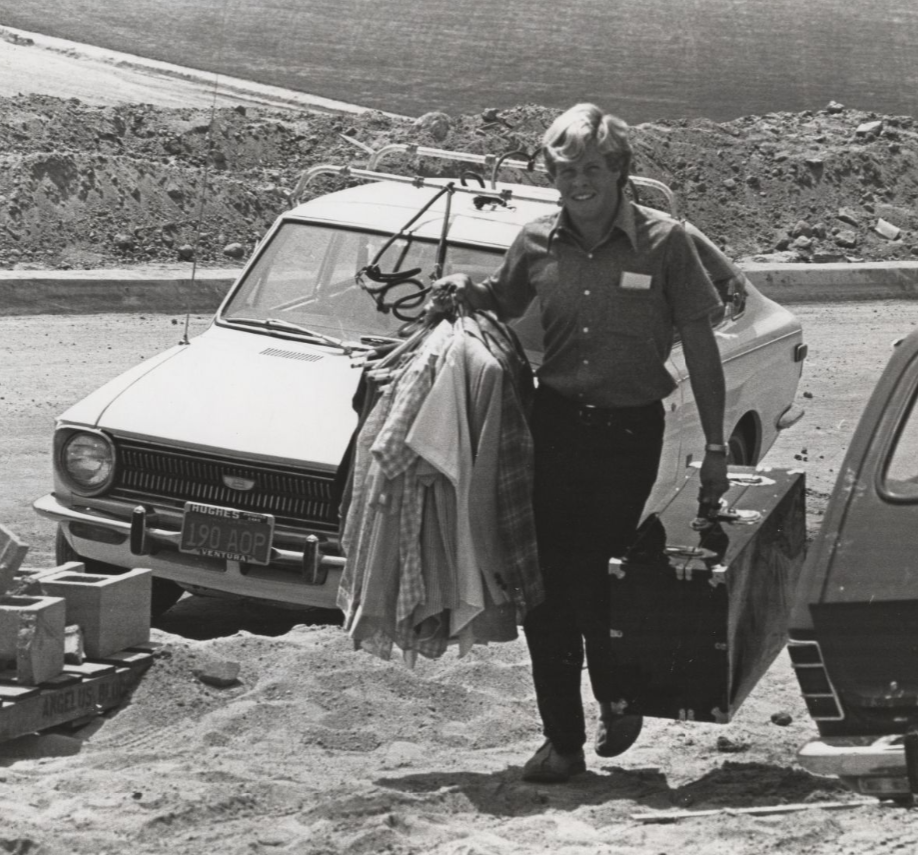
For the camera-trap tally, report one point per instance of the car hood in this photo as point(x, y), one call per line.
point(234, 392)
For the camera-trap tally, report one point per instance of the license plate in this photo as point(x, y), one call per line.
point(227, 533)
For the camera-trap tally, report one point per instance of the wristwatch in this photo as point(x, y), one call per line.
point(715, 447)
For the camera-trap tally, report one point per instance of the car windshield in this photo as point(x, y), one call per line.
point(305, 278)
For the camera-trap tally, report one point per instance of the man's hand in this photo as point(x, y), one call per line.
point(458, 289)
point(447, 293)
point(714, 481)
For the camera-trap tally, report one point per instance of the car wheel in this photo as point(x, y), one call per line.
point(738, 451)
point(164, 593)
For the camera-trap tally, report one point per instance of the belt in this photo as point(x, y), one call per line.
point(590, 415)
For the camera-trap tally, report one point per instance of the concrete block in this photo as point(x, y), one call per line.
point(32, 637)
point(112, 611)
point(12, 553)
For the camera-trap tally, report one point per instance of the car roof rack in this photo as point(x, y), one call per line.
point(492, 162)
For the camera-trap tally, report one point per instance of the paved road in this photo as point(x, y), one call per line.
point(48, 362)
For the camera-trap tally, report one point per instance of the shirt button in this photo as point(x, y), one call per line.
point(586, 361)
point(587, 292)
point(586, 329)
point(589, 255)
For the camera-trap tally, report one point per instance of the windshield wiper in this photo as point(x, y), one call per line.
point(290, 327)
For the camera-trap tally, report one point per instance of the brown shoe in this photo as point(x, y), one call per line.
point(548, 766)
point(616, 732)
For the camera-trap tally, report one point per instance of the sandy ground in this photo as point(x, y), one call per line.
point(319, 749)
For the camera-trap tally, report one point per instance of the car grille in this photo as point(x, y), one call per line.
point(169, 477)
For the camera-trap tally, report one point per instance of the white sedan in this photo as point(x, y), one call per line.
point(214, 462)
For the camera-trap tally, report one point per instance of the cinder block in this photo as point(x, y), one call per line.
point(12, 553)
point(32, 636)
point(112, 611)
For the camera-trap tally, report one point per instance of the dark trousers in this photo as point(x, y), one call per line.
point(594, 470)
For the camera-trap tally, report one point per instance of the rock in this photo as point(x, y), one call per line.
point(234, 250)
point(729, 183)
point(846, 239)
point(490, 114)
point(438, 125)
point(887, 230)
point(834, 107)
point(900, 217)
point(782, 719)
point(730, 746)
point(220, 673)
point(824, 256)
point(186, 252)
point(869, 129)
point(846, 215)
point(123, 241)
point(802, 243)
point(802, 227)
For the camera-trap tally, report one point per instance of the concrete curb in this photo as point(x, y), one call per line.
point(172, 290)
point(142, 289)
point(822, 283)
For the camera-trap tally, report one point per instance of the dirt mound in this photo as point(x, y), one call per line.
point(85, 186)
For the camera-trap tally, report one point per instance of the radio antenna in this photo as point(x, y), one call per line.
point(207, 162)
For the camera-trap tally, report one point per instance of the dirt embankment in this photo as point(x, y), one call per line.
point(95, 186)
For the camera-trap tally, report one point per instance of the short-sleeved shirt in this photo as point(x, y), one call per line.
point(608, 312)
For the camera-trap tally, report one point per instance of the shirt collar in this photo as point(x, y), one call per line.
point(624, 220)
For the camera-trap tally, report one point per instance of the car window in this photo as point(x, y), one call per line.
point(901, 473)
point(307, 275)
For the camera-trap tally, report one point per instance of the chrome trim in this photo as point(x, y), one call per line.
point(48, 507)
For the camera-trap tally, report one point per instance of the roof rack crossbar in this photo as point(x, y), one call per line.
point(503, 194)
point(491, 161)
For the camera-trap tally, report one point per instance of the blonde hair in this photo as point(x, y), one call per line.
point(568, 136)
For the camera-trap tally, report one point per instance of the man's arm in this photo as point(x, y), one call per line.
point(706, 374)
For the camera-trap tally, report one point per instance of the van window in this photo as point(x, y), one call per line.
point(901, 475)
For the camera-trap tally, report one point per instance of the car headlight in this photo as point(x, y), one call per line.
point(87, 461)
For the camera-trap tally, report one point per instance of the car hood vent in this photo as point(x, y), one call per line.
point(292, 354)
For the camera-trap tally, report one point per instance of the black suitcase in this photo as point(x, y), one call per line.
point(699, 614)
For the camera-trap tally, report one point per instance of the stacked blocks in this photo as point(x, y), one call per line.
point(12, 552)
point(113, 612)
point(32, 637)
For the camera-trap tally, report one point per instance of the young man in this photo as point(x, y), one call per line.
point(613, 279)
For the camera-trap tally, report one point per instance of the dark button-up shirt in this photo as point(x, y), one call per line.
point(608, 312)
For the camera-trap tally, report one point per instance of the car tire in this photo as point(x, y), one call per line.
point(738, 451)
point(164, 593)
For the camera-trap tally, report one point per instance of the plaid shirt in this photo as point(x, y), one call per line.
point(521, 578)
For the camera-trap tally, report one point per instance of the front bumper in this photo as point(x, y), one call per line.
point(299, 575)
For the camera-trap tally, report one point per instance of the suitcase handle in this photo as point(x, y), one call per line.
point(713, 512)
